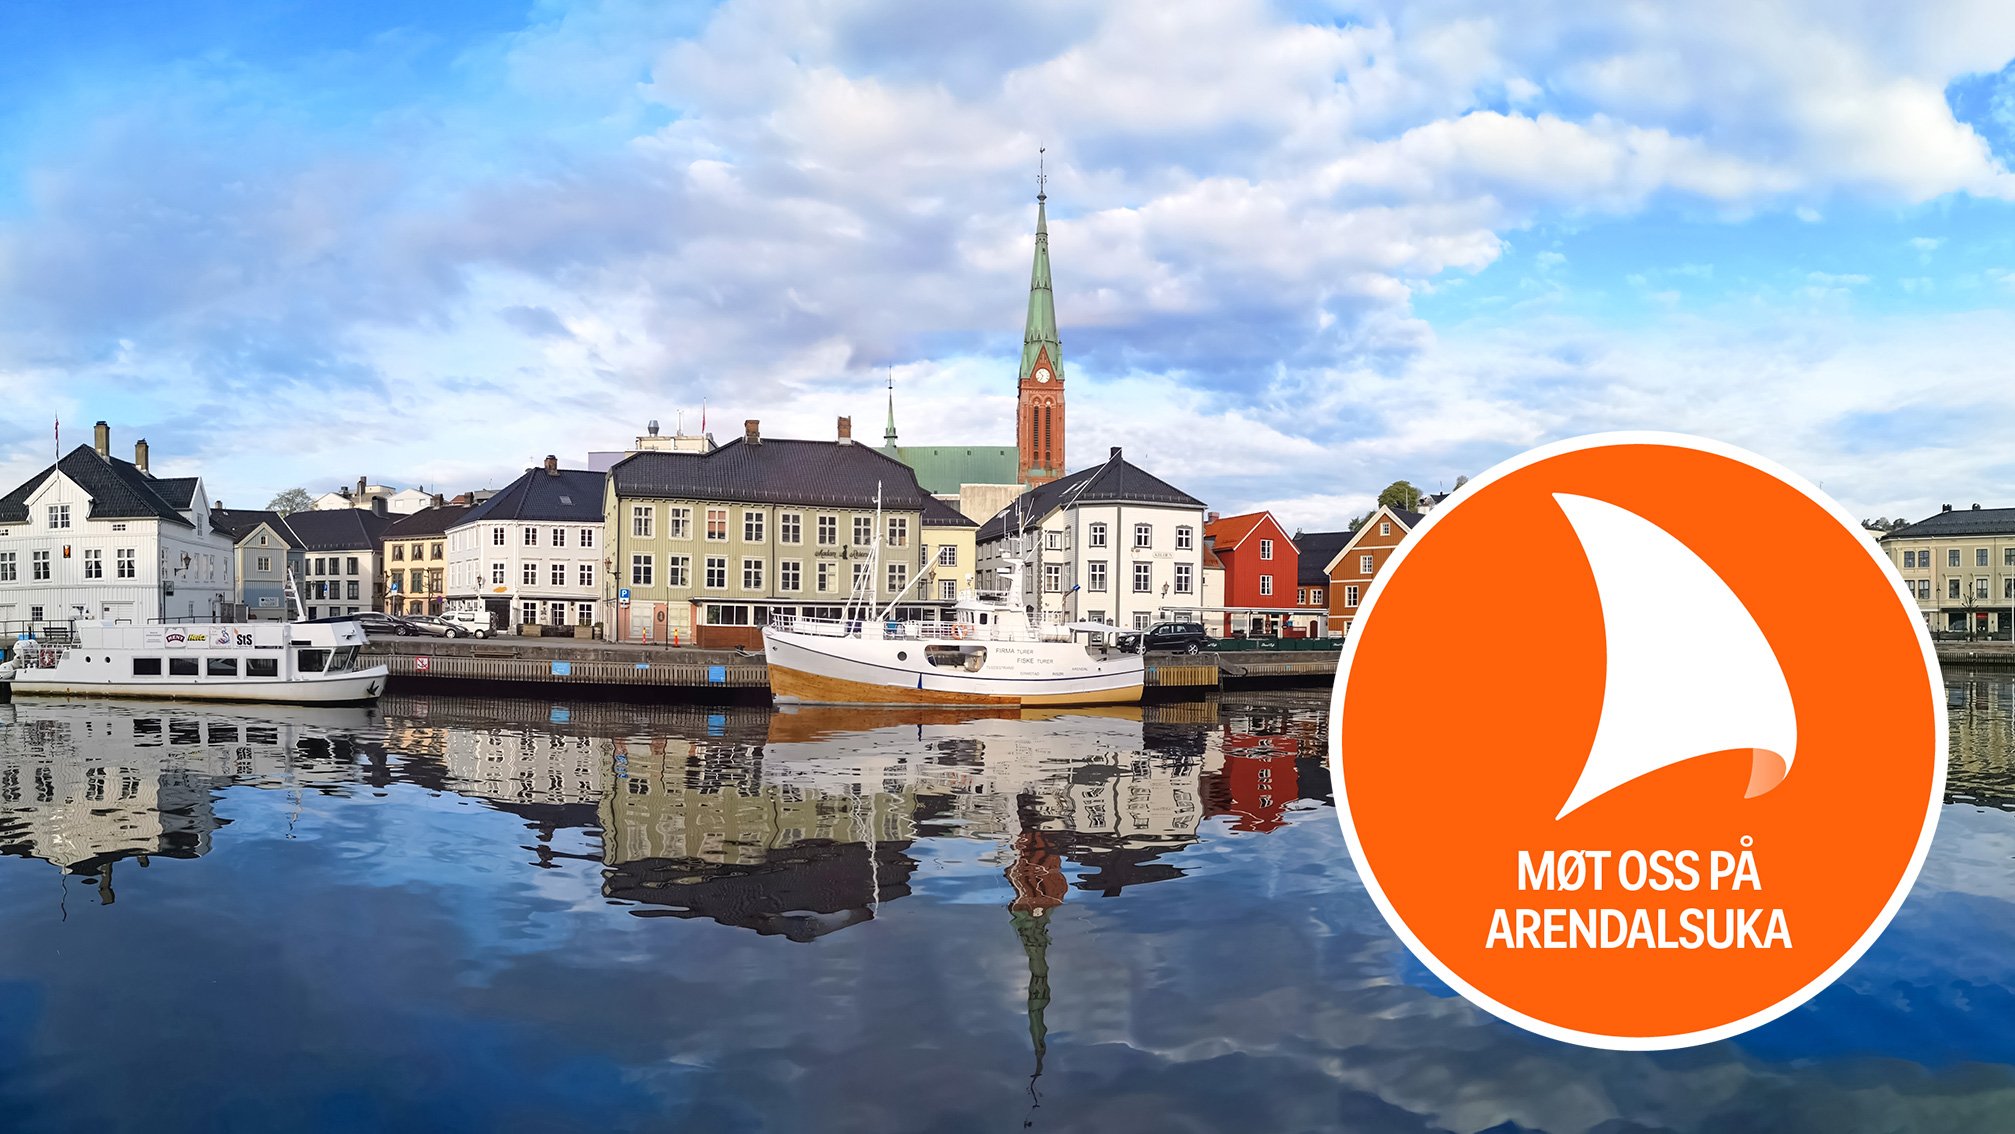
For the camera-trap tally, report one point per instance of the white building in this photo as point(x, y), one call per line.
point(1110, 543)
point(398, 502)
point(534, 552)
point(93, 536)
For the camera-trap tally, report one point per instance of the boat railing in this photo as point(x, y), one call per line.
point(38, 653)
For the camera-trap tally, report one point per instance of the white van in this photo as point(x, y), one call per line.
point(471, 621)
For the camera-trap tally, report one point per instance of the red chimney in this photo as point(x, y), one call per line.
point(846, 429)
point(751, 434)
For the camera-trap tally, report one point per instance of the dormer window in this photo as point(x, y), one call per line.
point(59, 516)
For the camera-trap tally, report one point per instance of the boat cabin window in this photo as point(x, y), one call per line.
point(970, 659)
point(344, 660)
point(262, 667)
point(146, 667)
point(221, 667)
point(312, 661)
point(983, 618)
point(182, 667)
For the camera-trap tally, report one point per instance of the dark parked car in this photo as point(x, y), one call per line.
point(371, 622)
point(1185, 637)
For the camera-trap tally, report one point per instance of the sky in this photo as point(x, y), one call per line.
point(1300, 250)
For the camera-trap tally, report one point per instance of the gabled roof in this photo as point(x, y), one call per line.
point(1317, 550)
point(241, 522)
point(938, 514)
point(1960, 522)
point(338, 529)
point(1117, 481)
point(118, 490)
point(1230, 531)
point(829, 474)
point(178, 491)
point(1406, 520)
point(429, 522)
point(566, 495)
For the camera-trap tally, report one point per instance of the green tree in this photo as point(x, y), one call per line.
point(292, 500)
point(1400, 494)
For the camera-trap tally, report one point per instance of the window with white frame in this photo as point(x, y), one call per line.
point(587, 540)
point(1952, 587)
point(1266, 584)
point(1979, 557)
point(790, 572)
point(1350, 594)
point(1924, 589)
point(640, 570)
point(1052, 577)
point(899, 576)
point(39, 562)
point(752, 527)
point(1266, 549)
point(864, 531)
point(1053, 540)
point(679, 523)
point(899, 531)
point(586, 611)
point(586, 578)
point(496, 573)
point(530, 574)
point(94, 563)
point(59, 516)
point(1185, 537)
point(1909, 559)
point(1301, 596)
point(643, 520)
point(1315, 596)
point(531, 536)
point(1385, 527)
point(1143, 536)
point(559, 538)
point(558, 575)
point(1364, 566)
point(1143, 578)
point(1185, 578)
point(861, 581)
point(1094, 575)
point(1095, 536)
point(825, 574)
point(948, 555)
point(717, 524)
point(1952, 557)
point(948, 590)
point(678, 570)
point(717, 572)
point(752, 574)
point(8, 568)
point(790, 527)
point(1980, 588)
point(496, 537)
point(829, 531)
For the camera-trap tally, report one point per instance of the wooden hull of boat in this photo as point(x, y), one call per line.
point(794, 686)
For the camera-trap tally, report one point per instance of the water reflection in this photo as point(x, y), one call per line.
point(626, 918)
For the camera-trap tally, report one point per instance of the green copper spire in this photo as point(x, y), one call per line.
point(889, 434)
point(1039, 336)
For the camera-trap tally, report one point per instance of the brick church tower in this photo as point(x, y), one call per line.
point(1039, 410)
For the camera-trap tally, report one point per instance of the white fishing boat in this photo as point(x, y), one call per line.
point(990, 652)
point(282, 662)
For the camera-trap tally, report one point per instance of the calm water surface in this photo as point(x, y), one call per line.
point(451, 915)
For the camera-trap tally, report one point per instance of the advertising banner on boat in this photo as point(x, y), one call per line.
point(1649, 850)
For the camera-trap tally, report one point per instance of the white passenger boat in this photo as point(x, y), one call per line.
point(283, 662)
point(991, 652)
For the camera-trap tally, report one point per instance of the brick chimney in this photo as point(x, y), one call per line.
point(552, 465)
point(466, 498)
point(438, 500)
point(101, 439)
point(361, 485)
point(140, 454)
point(752, 433)
point(846, 429)
point(1210, 517)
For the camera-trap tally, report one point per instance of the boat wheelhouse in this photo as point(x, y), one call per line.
point(292, 663)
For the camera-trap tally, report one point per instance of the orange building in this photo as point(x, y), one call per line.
point(1353, 568)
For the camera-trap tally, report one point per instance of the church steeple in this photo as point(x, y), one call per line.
point(1039, 425)
point(889, 434)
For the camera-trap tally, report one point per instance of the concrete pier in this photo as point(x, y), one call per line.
point(684, 673)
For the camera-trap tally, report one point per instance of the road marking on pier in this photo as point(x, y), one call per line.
point(1690, 762)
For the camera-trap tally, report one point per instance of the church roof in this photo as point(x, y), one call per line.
point(943, 468)
point(1039, 332)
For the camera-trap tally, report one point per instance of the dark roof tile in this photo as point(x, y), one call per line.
point(338, 529)
point(573, 496)
point(1117, 481)
point(118, 490)
point(1960, 522)
point(828, 474)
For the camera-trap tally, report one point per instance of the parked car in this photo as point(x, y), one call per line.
point(475, 622)
point(382, 625)
point(1186, 637)
point(430, 625)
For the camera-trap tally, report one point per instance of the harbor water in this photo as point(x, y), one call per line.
point(449, 914)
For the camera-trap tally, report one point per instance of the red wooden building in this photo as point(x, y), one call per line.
point(1261, 571)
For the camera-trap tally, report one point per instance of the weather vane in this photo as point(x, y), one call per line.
point(1041, 174)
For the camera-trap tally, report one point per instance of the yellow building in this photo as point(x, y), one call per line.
point(1960, 567)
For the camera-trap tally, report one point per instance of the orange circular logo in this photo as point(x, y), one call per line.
point(1640, 741)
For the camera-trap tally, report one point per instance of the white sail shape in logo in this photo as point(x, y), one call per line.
point(1689, 672)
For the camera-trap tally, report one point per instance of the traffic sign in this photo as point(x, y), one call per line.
point(624, 594)
point(421, 663)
